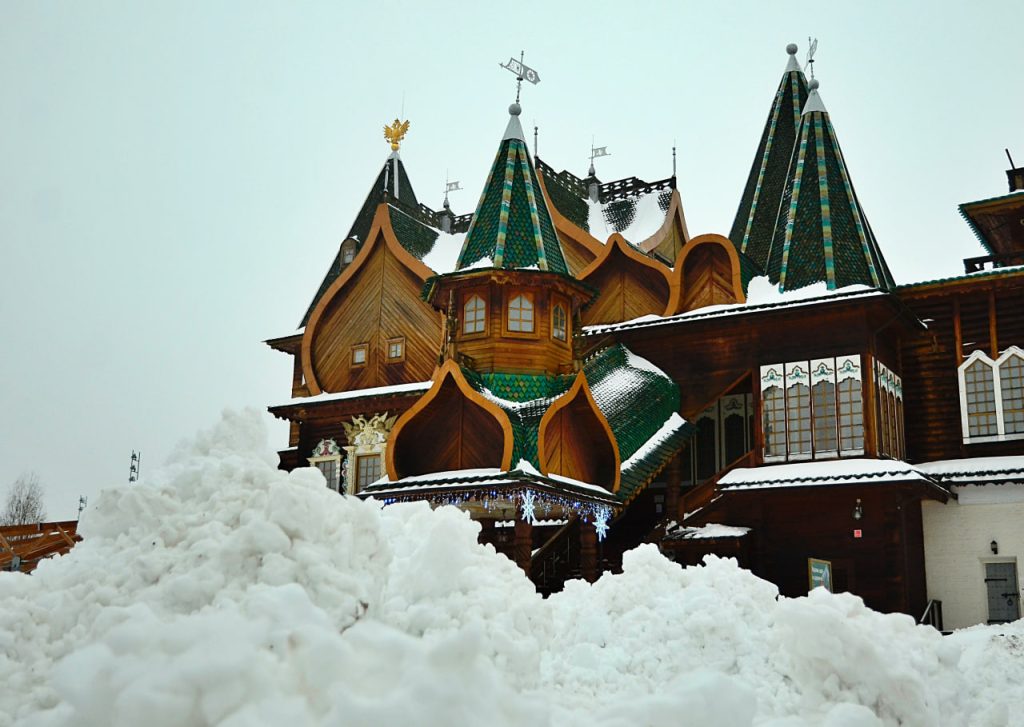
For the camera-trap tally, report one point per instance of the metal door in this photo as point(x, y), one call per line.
point(1003, 596)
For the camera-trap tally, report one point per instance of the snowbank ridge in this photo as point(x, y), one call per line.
point(225, 592)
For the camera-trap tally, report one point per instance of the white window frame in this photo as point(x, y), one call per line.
point(806, 372)
point(329, 451)
point(1001, 435)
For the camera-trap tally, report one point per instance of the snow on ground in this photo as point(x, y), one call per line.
point(223, 591)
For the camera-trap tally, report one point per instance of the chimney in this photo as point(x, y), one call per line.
point(1014, 175)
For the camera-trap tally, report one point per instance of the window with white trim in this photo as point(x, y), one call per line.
point(812, 409)
point(520, 314)
point(992, 396)
point(368, 470)
point(890, 412)
point(474, 315)
point(327, 458)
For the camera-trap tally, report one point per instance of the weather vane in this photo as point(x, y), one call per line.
point(450, 187)
point(522, 71)
point(812, 46)
point(396, 132)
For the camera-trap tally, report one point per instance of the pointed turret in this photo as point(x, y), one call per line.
point(755, 220)
point(512, 226)
point(821, 233)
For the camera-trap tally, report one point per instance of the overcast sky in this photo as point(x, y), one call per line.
point(176, 177)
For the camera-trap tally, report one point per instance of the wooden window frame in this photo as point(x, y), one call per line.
point(346, 248)
point(558, 301)
point(388, 358)
point(482, 294)
point(359, 459)
point(994, 365)
point(511, 295)
point(366, 356)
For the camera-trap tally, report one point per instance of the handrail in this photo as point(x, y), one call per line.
point(542, 551)
point(702, 494)
point(932, 614)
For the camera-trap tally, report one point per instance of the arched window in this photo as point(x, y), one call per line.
point(979, 398)
point(520, 314)
point(474, 315)
point(559, 323)
point(1011, 384)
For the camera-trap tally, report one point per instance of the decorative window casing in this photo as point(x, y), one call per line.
point(559, 322)
point(812, 409)
point(520, 313)
point(474, 315)
point(327, 457)
point(890, 412)
point(360, 353)
point(367, 444)
point(992, 396)
point(395, 350)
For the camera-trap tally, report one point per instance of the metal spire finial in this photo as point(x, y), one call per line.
point(812, 46)
point(522, 71)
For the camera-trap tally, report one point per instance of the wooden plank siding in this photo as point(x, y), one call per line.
point(627, 290)
point(963, 317)
point(707, 278)
point(380, 302)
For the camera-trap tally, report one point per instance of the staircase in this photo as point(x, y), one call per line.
point(558, 560)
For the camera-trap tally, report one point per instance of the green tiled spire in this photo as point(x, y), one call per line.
point(821, 232)
point(755, 219)
point(512, 227)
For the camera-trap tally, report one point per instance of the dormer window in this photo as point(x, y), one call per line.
point(474, 315)
point(396, 350)
point(359, 355)
point(348, 252)
point(520, 314)
point(559, 323)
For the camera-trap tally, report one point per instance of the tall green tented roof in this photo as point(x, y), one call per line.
point(392, 181)
point(755, 219)
point(512, 226)
point(821, 233)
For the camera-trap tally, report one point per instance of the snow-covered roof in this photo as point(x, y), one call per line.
point(673, 531)
point(648, 217)
point(976, 470)
point(417, 386)
point(822, 473)
point(443, 257)
point(811, 295)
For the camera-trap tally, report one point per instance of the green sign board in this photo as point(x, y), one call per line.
point(819, 573)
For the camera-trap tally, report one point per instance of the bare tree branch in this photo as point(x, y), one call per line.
point(24, 505)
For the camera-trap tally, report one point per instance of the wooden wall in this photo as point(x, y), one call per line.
point(707, 277)
point(576, 445)
point(497, 349)
point(628, 289)
point(962, 318)
point(885, 566)
point(381, 301)
point(450, 433)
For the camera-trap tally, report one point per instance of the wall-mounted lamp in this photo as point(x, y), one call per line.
point(858, 510)
point(995, 547)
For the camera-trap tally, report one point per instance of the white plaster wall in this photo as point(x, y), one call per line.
point(957, 539)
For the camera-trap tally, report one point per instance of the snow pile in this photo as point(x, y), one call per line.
point(227, 592)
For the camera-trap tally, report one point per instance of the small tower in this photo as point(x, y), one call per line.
point(511, 302)
point(821, 233)
point(752, 229)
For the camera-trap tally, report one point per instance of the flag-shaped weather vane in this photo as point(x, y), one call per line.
point(523, 72)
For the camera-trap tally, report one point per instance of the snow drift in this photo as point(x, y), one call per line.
point(224, 591)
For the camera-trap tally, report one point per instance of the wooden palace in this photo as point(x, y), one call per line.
point(579, 373)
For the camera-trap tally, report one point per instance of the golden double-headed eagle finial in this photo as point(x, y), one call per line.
point(395, 133)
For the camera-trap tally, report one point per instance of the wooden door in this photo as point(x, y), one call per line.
point(1003, 595)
